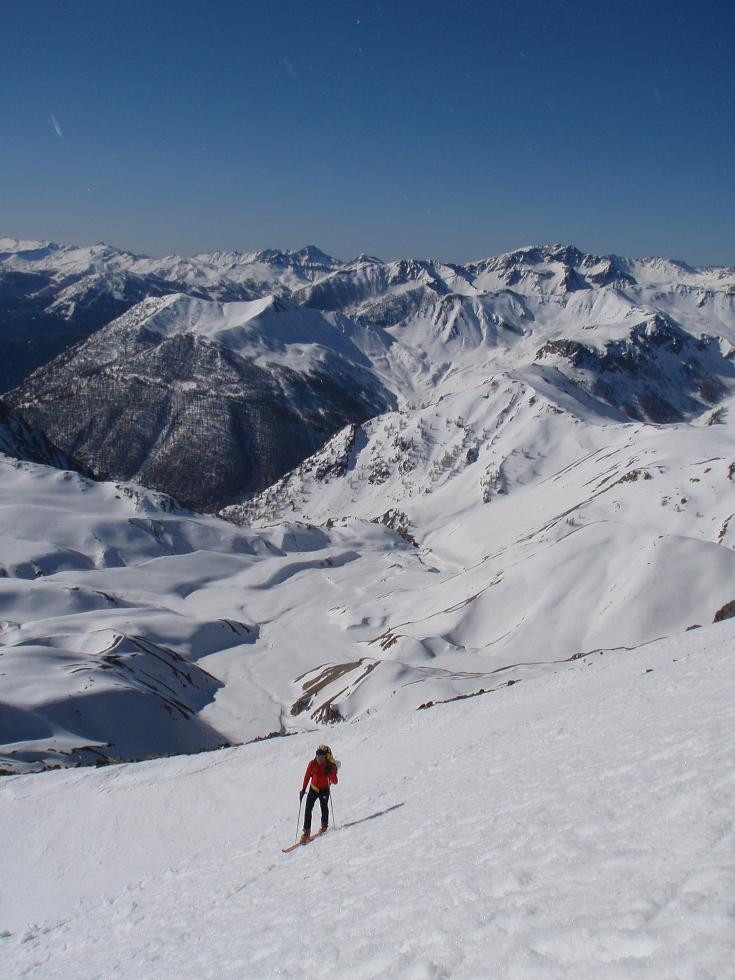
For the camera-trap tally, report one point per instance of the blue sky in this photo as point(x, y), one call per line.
point(452, 129)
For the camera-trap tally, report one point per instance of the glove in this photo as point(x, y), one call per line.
point(301, 794)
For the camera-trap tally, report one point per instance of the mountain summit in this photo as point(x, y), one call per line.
point(243, 365)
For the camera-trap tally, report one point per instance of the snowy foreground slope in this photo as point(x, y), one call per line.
point(574, 825)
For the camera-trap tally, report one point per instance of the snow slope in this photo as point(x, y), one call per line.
point(130, 627)
point(544, 535)
point(490, 536)
point(574, 825)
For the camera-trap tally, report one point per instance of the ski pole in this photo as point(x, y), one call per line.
point(331, 803)
point(298, 822)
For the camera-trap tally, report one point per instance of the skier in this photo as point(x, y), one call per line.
point(322, 770)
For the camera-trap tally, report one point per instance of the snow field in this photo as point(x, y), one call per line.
point(578, 824)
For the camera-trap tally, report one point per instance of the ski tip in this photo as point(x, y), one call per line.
point(299, 843)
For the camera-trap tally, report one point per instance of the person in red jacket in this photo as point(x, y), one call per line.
point(321, 772)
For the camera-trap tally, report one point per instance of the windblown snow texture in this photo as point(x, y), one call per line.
point(575, 825)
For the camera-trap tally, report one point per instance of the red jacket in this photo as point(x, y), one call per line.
point(321, 775)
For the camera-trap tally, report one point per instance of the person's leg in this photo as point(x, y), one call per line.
point(310, 801)
point(324, 804)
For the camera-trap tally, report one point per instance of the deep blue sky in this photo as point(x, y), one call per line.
point(453, 129)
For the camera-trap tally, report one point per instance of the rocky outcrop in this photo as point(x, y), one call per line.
point(658, 373)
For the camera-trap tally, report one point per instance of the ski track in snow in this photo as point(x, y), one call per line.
point(576, 825)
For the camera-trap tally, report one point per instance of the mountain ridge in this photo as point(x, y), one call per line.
point(371, 335)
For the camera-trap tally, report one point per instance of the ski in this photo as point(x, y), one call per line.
point(287, 850)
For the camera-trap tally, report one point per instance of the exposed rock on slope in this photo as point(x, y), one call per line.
point(658, 373)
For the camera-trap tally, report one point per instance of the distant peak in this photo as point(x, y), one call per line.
point(19, 245)
point(659, 261)
point(559, 252)
point(364, 258)
point(551, 252)
point(223, 256)
point(306, 257)
point(310, 253)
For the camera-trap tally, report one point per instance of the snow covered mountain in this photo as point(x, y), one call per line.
point(575, 825)
point(546, 534)
point(446, 479)
point(644, 340)
point(651, 338)
point(131, 627)
point(52, 296)
point(205, 401)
